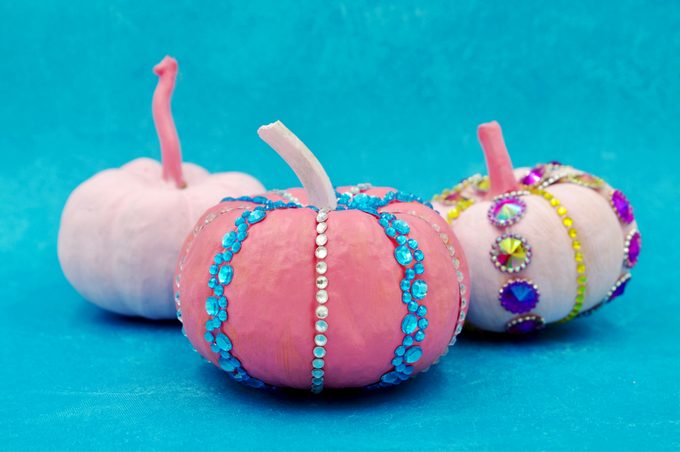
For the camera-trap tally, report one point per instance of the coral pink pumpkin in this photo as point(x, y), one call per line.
point(121, 229)
point(544, 244)
point(312, 288)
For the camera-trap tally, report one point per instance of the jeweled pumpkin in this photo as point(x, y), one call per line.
point(313, 287)
point(122, 228)
point(544, 244)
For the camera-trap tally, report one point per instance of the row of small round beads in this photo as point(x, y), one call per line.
point(321, 312)
point(456, 198)
point(414, 323)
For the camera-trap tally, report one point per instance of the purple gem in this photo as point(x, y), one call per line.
point(534, 176)
point(634, 245)
point(525, 324)
point(519, 296)
point(620, 289)
point(622, 207)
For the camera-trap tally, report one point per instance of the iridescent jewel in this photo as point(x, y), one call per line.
point(401, 226)
point(510, 253)
point(633, 245)
point(622, 207)
point(409, 324)
point(211, 306)
point(534, 176)
point(256, 216)
point(226, 274)
point(223, 342)
point(403, 255)
point(506, 211)
point(519, 296)
point(524, 324)
point(413, 354)
point(419, 289)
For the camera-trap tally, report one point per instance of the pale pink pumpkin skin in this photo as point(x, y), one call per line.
point(271, 298)
point(121, 231)
point(552, 268)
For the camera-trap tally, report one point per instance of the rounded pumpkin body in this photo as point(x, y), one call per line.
point(121, 231)
point(316, 299)
point(571, 246)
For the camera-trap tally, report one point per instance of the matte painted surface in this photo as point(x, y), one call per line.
point(593, 83)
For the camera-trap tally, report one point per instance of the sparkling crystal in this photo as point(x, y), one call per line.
point(620, 288)
point(211, 306)
point(634, 246)
point(322, 312)
point(401, 226)
point(403, 255)
point(321, 282)
point(321, 239)
point(409, 324)
point(534, 176)
point(321, 267)
point(226, 274)
point(511, 252)
point(419, 289)
point(319, 352)
point(519, 296)
point(321, 228)
point(322, 216)
point(622, 207)
point(506, 211)
point(228, 239)
point(321, 326)
point(321, 297)
point(413, 354)
point(256, 216)
point(321, 252)
point(320, 340)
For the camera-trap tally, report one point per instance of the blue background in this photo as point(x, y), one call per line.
point(388, 92)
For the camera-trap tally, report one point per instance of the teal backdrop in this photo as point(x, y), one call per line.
point(387, 92)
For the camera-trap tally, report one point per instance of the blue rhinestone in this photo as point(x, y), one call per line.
point(208, 337)
point(235, 362)
point(400, 367)
point(390, 232)
point(419, 289)
point(401, 239)
point(223, 342)
point(408, 370)
point(317, 381)
point(317, 363)
point(408, 341)
point(222, 315)
point(214, 348)
point(209, 325)
point(406, 297)
point(399, 351)
point(216, 323)
point(419, 268)
point(256, 215)
point(389, 216)
point(409, 324)
point(236, 247)
point(405, 284)
point(390, 377)
point(419, 336)
point(403, 255)
point(225, 355)
point(383, 222)
point(225, 364)
point(410, 273)
point(227, 255)
point(317, 373)
point(245, 214)
point(423, 323)
point(419, 255)
point(319, 352)
point(413, 244)
point(218, 291)
point(398, 360)
point(228, 239)
point(241, 235)
point(260, 200)
point(218, 258)
point(212, 282)
point(422, 311)
point(412, 306)
point(401, 226)
point(211, 305)
point(222, 302)
point(413, 354)
point(243, 227)
point(240, 222)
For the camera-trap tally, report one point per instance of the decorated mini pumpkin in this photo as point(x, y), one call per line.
point(544, 244)
point(121, 229)
point(313, 288)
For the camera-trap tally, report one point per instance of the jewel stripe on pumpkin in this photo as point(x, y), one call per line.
point(321, 282)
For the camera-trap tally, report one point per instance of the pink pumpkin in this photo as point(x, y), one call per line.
point(309, 288)
point(544, 244)
point(121, 229)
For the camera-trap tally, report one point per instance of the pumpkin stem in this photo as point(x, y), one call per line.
point(171, 152)
point(301, 160)
point(501, 176)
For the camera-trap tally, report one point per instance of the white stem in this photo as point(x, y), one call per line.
point(301, 160)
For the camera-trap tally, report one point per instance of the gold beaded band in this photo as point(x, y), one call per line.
point(568, 223)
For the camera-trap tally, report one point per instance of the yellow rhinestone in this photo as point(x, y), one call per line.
point(554, 202)
point(576, 245)
point(568, 222)
point(579, 299)
point(578, 257)
point(581, 268)
point(580, 290)
point(453, 214)
point(572, 233)
point(561, 211)
point(547, 195)
point(582, 279)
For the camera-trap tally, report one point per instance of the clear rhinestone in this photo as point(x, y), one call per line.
point(459, 328)
point(456, 263)
point(460, 276)
point(354, 190)
point(322, 312)
point(322, 216)
point(321, 228)
point(452, 251)
point(321, 282)
point(320, 340)
point(436, 227)
point(321, 252)
point(444, 237)
point(321, 267)
point(321, 239)
point(321, 326)
point(321, 297)
point(177, 280)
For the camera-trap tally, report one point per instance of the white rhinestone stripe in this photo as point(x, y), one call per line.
point(321, 311)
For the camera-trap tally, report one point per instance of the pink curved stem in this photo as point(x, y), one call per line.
point(501, 176)
point(171, 152)
point(301, 160)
